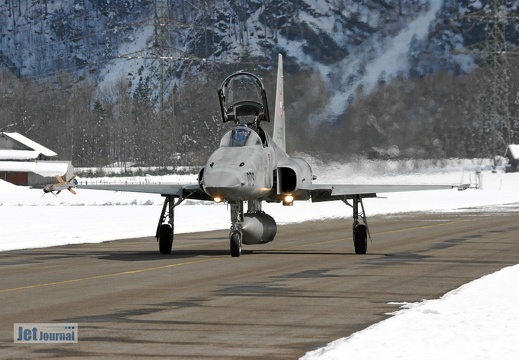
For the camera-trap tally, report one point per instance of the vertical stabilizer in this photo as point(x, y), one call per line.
point(279, 113)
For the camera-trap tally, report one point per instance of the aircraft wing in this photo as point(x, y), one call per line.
point(329, 192)
point(185, 191)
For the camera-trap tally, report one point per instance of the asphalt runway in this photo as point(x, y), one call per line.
point(278, 300)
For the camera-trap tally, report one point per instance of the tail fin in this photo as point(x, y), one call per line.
point(279, 113)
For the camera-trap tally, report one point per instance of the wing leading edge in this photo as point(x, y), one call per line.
point(184, 191)
point(318, 192)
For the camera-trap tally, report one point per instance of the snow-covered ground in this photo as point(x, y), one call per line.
point(478, 320)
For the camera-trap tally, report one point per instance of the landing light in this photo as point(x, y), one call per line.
point(289, 199)
point(217, 200)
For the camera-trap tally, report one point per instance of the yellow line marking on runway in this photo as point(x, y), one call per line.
point(129, 272)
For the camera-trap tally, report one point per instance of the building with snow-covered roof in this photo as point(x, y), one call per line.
point(25, 162)
point(512, 154)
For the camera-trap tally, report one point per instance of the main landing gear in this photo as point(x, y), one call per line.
point(165, 229)
point(266, 230)
point(360, 230)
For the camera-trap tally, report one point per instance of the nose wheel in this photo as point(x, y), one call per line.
point(236, 235)
point(235, 243)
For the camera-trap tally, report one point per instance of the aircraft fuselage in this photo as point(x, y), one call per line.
point(242, 168)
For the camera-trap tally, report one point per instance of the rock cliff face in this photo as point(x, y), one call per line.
point(350, 43)
point(84, 76)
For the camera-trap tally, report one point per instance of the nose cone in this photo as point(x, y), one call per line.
point(222, 183)
point(230, 174)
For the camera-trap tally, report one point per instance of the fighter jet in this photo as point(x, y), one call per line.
point(252, 167)
point(61, 185)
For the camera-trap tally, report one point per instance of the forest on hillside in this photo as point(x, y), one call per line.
point(435, 117)
point(452, 92)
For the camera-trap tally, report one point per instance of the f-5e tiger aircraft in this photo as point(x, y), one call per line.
point(250, 166)
point(61, 185)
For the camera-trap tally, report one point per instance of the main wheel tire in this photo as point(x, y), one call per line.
point(165, 239)
point(235, 244)
point(360, 239)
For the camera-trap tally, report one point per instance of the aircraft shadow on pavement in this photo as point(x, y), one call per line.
point(155, 255)
point(186, 254)
point(311, 252)
point(299, 252)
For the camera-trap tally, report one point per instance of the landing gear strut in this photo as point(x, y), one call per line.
point(165, 229)
point(236, 235)
point(360, 230)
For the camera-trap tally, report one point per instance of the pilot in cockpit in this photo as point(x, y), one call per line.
point(240, 136)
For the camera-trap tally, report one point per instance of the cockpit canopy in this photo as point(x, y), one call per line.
point(243, 99)
point(240, 136)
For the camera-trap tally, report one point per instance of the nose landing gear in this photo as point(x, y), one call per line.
point(236, 235)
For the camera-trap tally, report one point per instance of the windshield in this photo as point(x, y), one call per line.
point(240, 136)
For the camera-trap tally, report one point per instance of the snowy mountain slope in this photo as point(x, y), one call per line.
point(353, 44)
